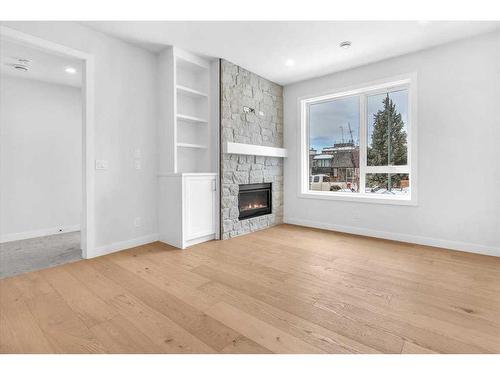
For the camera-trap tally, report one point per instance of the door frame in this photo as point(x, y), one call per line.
point(87, 227)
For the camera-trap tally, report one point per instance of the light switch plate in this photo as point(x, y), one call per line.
point(101, 164)
point(137, 153)
point(137, 164)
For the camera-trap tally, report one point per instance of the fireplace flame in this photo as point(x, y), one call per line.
point(252, 206)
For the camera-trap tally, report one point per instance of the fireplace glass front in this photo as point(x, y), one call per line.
point(254, 200)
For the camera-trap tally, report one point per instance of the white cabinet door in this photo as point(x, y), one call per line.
point(199, 199)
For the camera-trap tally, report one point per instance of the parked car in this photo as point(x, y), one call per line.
point(322, 182)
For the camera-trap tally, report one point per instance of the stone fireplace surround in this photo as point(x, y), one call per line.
point(264, 127)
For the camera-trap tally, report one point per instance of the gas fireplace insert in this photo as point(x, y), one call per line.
point(254, 200)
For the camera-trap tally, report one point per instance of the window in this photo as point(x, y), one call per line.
point(362, 141)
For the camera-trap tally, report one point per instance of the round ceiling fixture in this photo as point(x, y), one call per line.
point(346, 44)
point(289, 63)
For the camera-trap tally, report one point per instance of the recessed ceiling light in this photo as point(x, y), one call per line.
point(289, 63)
point(346, 44)
point(70, 70)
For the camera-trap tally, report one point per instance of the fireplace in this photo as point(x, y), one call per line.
point(254, 200)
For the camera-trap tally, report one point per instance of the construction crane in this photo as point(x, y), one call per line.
point(350, 131)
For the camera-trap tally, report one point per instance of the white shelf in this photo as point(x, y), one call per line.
point(190, 62)
point(184, 174)
point(191, 92)
point(246, 149)
point(193, 119)
point(191, 145)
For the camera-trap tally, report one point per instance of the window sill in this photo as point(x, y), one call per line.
point(359, 198)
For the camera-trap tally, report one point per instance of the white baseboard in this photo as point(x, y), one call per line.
point(419, 240)
point(123, 245)
point(198, 240)
point(38, 233)
point(168, 241)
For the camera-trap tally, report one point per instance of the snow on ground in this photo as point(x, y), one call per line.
point(404, 191)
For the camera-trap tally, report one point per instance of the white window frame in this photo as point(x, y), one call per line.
point(407, 81)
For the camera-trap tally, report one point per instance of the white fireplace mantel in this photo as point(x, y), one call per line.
point(246, 149)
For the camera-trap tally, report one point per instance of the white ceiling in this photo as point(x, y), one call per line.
point(43, 66)
point(263, 47)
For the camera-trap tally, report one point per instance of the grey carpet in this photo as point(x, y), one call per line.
point(22, 256)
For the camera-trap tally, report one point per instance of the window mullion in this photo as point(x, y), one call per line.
point(306, 160)
point(362, 143)
point(388, 169)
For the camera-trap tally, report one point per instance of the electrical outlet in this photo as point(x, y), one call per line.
point(101, 164)
point(137, 222)
point(137, 164)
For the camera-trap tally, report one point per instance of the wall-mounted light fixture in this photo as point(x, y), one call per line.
point(252, 110)
point(21, 64)
point(346, 44)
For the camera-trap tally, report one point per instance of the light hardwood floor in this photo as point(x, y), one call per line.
point(287, 289)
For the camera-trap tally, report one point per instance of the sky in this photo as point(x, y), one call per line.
point(326, 119)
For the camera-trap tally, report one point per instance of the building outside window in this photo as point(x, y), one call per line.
point(361, 140)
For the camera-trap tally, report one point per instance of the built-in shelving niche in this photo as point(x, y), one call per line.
point(192, 115)
point(188, 137)
point(189, 115)
point(192, 74)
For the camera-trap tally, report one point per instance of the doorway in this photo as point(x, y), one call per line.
point(46, 146)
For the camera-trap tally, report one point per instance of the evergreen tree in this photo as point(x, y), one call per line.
point(389, 145)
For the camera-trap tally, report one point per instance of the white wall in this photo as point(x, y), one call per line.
point(458, 151)
point(125, 119)
point(40, 157)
